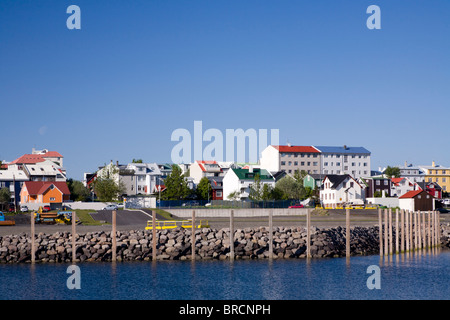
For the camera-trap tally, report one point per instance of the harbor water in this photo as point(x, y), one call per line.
point(419, 275)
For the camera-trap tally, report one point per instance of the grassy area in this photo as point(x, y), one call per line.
point(86, 219)
point(165, 214)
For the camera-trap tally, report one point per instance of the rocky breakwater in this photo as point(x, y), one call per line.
point(175, 244)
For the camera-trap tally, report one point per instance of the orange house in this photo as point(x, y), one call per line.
point(44, 192)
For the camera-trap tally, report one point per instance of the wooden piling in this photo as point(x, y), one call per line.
point(390, 232)
point(407, 229)
point(347, 236)
point(74, 235)
point(402, 234)
point(193, 236)
point(386, 233)
point(33, 241)
point(411, 222)
point(429, 230)
point(433, 232)
point(308, 233)
point(416, 242)
point(419, 230)
point(424, 239)
point(380, 224)
point(153, 235)
point(397, 231)
point(232, 235)
point(114, 235)
point(270, 234)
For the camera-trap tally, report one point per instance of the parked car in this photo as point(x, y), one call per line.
point(111, 207)
point(46, 209)
point(443, 210)
point(296, 206)
point(23, 208)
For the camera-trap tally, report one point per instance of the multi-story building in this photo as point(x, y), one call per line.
point(201, 168)
point(354, 161)
point(439, 174)
point(291, 159)
point(414, 173)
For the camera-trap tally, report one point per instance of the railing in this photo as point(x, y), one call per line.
point(172, 224)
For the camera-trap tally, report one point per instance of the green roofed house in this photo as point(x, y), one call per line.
point(240, 181)
point(313, 180)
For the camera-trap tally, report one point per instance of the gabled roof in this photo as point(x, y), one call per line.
point(244, 174)
point(343, 149)
point(306, 149)
point(337, 179)
point(411, 194)
point(206, 166)
point(52, 154)
point(28, 159)
point(39, 187)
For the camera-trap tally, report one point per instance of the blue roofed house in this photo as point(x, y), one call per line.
point(354, 161)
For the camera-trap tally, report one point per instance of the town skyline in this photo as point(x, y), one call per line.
point(118, 87)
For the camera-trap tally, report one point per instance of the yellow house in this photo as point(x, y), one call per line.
point(439, 174)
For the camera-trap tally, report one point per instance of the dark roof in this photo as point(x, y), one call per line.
point(337, 179)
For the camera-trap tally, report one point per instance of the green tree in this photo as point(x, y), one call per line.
point(176, 185)
point(291, 188)
point(392, 172)
point(256, 189)
point(78, 192)
point(5, 197)
point(204, 190)
point(137, 161)
point(107, 189)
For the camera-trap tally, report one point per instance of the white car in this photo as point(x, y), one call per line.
point(23, 208)
point(111, 207)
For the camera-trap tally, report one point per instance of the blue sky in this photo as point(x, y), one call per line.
point(138, 70)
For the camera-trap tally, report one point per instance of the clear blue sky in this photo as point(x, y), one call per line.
point(138, 70)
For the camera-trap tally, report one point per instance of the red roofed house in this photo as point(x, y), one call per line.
point(202, 168)
point(44, 192)
point(291, 159)
point(400, 186)
point(416, 200)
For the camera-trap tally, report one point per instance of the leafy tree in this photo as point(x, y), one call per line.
point(78, 192)
point(107, 189)
point(5, 196)
point(137, 161)
point(392, 172)
point(291, 188)
point(204, 189)
point(256, 189)
point(176, 185)
point(267, 192)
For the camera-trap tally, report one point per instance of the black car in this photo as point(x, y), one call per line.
point(443, 210)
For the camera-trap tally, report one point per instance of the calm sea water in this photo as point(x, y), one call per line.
point(417, 276)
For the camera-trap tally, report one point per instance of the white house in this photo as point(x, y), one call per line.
point(341, 189)
point(400, 186)
point(203, 168)
point(241, 180)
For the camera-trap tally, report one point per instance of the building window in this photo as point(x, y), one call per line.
point(377, 182)
point(283, 163)
point(295, 163)
point(386, 182)
point(52, 199)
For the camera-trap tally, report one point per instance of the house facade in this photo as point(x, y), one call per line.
point(44, 192)
point(376, 186)
point(413, 173)
point(354, 161)
point(338, 190)
point(203, 168)
point(291, 159)
point(417, 200)
point(438, 174)
point(239, 181)
point(402, 185)
point(13, 180)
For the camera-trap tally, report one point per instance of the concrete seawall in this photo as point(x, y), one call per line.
point(223, 213)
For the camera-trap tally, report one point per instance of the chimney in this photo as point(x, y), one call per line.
point(345, 147)
point(433, 164)
point(406, 164)
point(250, 169)
point(117, 163)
